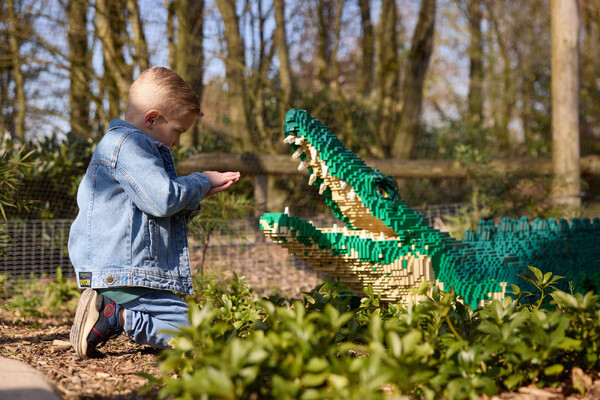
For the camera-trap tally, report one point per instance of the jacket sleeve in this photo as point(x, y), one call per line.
point(141, 172)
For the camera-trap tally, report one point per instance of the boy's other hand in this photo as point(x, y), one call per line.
point(220, 181)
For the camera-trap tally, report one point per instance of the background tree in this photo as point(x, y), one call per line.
point(79, 73)
point(285, 71)
point(475, 97)
point(111, 29)
point(15, 39)
point(141, 58)
point(413, 81)
point(368, 50)
point(388, 74)
point(565, 110)
point(234, 66)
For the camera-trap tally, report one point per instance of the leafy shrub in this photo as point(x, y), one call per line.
point(324, 346)
point(34, 297)
point(61, 291)
point(217, 216)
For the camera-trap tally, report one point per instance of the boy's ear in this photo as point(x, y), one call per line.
point(150, 118)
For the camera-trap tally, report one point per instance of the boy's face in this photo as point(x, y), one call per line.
point(169, 132)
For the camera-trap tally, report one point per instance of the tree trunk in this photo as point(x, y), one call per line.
point(110, 27)
point(170, 7)
point(475, 99)
point(503, 112)
point(234, 67)
point(335, 64)
point(194, 60)
point(140, 56)
point(80, 73)
point(387, 76)
point(416, 68)
point(17, 73)
point(285, 71)
point(323, 47)
point(366, 71)
point(565, 117)
point(183, 54)
point(265, 56)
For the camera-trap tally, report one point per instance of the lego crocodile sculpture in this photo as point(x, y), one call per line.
point(388, 245)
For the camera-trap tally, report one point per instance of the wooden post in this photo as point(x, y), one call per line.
point(261, 186)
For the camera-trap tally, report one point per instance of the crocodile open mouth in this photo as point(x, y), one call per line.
point(367, 250)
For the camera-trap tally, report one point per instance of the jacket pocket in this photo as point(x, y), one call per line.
point(153, 236)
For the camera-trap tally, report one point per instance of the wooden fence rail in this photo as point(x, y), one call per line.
point(275, 164)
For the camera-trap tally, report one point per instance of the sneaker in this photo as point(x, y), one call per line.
point(96, 321)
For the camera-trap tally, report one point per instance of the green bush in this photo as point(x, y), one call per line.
point(325, 346)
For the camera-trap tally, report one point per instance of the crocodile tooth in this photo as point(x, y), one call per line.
point(298, 141)
point(343, 184)
point(312, 179)
point(381, 236)
point(287, 211)
point(297, 153)
point(322, 187)
point(289, 139)
point(324, 169)
point(313, 153)
point(352, 195)
point(301, 165)
point(335, 228)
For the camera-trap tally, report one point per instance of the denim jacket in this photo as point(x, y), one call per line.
point(131, 229)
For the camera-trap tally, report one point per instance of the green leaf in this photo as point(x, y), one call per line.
point(512, 381)
point(553, 370)
point(316, 365)
point(312, 380)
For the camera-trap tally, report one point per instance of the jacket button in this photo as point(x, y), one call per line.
point(110, 279)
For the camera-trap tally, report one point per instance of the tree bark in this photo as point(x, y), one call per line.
point(416, 68)
point(325, 11)
point(183, 54)
point(234, 67)
point(110, 27)
point(140, 46)
point(17, 74)
point(80, 73)
point(194, 59)
point(285, 71)
point(475, 97)
point(170, 7)
point(565, 104)
point(388, 71)
point(265, 57)
point(366, 70)
point(506, 102)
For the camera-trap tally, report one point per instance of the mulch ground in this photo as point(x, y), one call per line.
point(42, 342)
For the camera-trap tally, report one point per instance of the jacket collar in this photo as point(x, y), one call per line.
point(119, 123)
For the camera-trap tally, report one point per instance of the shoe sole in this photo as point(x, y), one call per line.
point(88, 311)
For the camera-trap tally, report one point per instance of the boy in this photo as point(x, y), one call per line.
point(128, 243)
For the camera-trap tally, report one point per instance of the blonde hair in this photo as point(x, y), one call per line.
point(164, 90)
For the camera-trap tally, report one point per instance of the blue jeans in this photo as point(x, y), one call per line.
point(148, 316)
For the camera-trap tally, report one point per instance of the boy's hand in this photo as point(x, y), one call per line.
point(220, 181)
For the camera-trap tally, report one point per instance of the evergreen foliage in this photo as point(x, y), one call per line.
point(329, 345)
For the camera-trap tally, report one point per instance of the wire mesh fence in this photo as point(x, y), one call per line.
point(36, 248)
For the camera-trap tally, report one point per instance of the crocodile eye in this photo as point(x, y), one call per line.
point(382, 192)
